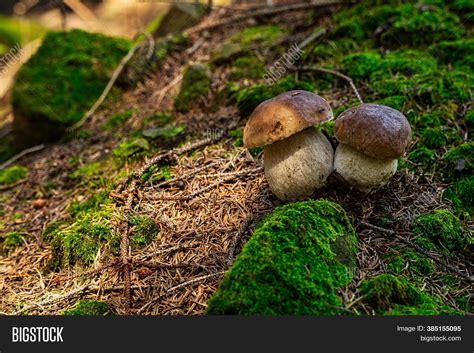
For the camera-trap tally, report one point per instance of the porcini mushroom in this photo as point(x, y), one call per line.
point(297, 157)
point(372, 137)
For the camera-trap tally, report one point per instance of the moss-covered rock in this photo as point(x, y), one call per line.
point(179, 17)
point(196, 83)
point(393, 295)
point(292, 264)
point(61, 82)
point(12, 175)
point(439, 230)
point(385, 291)
point(88, 308)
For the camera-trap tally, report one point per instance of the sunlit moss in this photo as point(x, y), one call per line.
point(63, 79)
point(12, 175)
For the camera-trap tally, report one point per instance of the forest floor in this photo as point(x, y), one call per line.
point(191, 212)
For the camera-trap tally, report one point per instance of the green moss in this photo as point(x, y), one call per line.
point(415, 27)
point(433, 137)
point(129, 149)
point(12, 175)
point(143, 231)
point(247, 67)
point(247, 99)
point(385, 291)
point(87, 171)
point(395, 102)
point(160, 117)
point(432, 119)
point(457, 53)
point(157, 174)
point(460, 159)
point(362, 65)
point(412, 261)
point(196, 83)
point(265, 35)
point(11, 240)
point(292, 265)
point(238, 136)
point(88, 308)
point(422, 156)
point(7, 148)
point(14, 30)
point(118, 119)
point(92, 203)
point(461, 194)
point(469, 118)
point(439, 229)
point(63, 79)
point(428, 308)
point(79, 242)
point(166, 133)
point(349, 28)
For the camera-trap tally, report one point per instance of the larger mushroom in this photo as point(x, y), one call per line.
point(297, 157)
point(372, 137)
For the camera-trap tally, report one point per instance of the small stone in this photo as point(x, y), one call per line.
point(39, 203)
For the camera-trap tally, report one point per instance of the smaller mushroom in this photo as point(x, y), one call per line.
point(372, 137)
point(297, 157)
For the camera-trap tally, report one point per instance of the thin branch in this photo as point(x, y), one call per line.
point(335, 73)
point(113, 79)
point(20, 155)
point(191, 282)
point(273, 11)
point(420, 250)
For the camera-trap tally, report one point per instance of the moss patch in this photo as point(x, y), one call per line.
point(392, 295)
point(439, 230)
point(63, 79)
point(12, 175)
point(88, 308)
point(292, 265)
point(411, 261)
point(196, 83)
point(118, 119)
point(10, 241)
point(144, 230)
point(461, 194)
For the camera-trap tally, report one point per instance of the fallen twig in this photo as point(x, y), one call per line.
point(235, 240)
point(113, 79)
point(20, 155)
point(193, 281)
point(335, 73)
point(268, 11)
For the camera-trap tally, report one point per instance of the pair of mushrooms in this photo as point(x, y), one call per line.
point(298, 158)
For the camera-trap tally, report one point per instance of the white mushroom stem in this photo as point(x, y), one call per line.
point(363, 171)
point(298, 165)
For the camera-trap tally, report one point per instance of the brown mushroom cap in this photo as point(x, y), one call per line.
point(285, 115)
point(376, 130)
